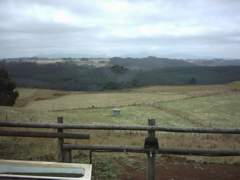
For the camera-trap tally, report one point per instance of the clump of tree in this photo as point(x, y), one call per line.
point(135, 83)
point(84, 59)
point(7, 93)
point(118, 73)
point(192, 81)
point(110, 86)
point(118, 78)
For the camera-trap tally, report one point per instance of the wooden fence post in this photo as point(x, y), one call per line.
point(90, 153)
point(67, 155)
point(151, 156)
point(60, 142)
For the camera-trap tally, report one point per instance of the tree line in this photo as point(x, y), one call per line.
point(69, 76)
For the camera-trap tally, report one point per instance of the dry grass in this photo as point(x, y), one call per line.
point(28, 95)
point(234, 86)
point(180, 89)
point(95, 62)
point(204, 93)
point(100, 100)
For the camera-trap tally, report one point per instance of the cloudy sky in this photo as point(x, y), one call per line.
point(117, 27)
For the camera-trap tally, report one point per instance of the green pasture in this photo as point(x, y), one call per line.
point(129, 115)
point(221, 110)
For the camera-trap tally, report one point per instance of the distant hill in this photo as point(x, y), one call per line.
point(204, 75)
point(71, 55)
point(217, 62)
point(183, 56)
point(150, 62)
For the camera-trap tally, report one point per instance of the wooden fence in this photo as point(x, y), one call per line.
point(64, 149)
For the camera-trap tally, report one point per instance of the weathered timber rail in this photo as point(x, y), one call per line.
point(116, 127)
point(64, 149)
point(45, 134)
point(160, 150)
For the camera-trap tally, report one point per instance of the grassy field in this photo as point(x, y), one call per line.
point(183, 106)
point(212, 111)
point(100, 100)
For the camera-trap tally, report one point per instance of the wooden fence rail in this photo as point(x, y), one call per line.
point(116, 127)
point(160, 150)
point(45, 134)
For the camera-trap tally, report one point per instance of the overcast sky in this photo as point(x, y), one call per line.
point(114, 27)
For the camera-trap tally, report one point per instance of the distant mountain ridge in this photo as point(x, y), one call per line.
point(182, 56)
point(179, 56)
point(146, 61)
point(71, 55)
point(150, 62)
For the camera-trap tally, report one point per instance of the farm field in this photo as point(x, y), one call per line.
point(183, 106)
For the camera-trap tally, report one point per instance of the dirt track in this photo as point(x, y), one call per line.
point(182, 169)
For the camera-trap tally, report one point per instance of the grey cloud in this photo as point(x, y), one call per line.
point(99, 27)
